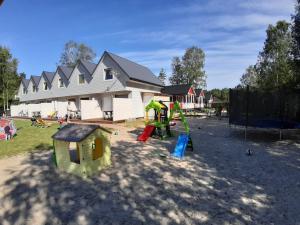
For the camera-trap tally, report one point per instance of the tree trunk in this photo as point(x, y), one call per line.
point(7, 107)
point(3, 95)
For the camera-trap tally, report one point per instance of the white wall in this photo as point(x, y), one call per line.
point(95, 83)
point(47, 109)
point(123, 109)
point(61, 108)
point(161, 98)
point(107, 103)
point(44, 108)
point(147, 97)
point(137, 101)
point(33, 108)
point(91, 109)
point(19, 110)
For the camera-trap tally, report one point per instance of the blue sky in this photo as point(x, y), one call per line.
point(230, 32)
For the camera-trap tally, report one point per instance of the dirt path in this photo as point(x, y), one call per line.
point(216, 184)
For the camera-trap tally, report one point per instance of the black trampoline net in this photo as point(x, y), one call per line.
point(265, 109)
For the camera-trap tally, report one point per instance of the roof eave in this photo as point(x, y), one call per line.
point(142, 81)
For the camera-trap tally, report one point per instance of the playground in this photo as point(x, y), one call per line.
point(27, 138)
point(217, 183)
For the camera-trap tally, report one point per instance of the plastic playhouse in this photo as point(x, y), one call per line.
point(161, 126)
point(82, 150)
point(7, 129)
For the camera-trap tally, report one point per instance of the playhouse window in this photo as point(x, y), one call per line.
point(74, 152)
point(97, 147)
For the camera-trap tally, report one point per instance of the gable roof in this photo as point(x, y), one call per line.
point(67, 71)
point(49, 75)
point(25, 82)
point(35, 79)
point(198, 92)
point(89, 66)
point(180, 89)
point(135, 71)
point(75, 132)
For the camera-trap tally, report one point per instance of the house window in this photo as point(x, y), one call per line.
point(121, 96)
point(34, 88)
point(81, 79)
point(60, 82)
point(24, 91)
point(108, 74)
point(45, 86)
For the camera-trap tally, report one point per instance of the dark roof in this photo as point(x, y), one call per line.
point(180, 89)
point(89, 66)
point(66, 70)
point(198, 91)
point(49, 75)
point(75, 132)
point(135, 71)
point(36, 79)
point(25, 82)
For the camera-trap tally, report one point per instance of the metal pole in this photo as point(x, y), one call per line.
point(247, 111)
point(280, 134)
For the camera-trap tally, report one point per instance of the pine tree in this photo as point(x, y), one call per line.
point(177, 72)
point(162, 76)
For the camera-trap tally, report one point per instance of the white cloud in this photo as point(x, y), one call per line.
point(154, 59)
point(270, 6)
point(231, 33)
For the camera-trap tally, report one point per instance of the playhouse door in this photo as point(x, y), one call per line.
point(98, 151)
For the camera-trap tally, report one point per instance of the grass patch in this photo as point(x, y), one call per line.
point(28, 138)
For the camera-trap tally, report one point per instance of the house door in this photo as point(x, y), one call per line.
point(107, 103)
point(98, 149)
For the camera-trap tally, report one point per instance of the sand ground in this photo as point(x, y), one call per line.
point(218, 183)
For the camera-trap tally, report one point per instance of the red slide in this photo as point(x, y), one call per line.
point(146, 133)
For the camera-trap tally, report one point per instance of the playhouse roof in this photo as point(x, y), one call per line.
point(76, 132)
point(179, 89)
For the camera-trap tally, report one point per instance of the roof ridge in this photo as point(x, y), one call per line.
point(128, 60)
point(83, 60)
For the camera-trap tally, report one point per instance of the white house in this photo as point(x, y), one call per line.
point(114, 88)
point(183, 93)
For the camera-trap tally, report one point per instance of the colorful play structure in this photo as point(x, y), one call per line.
point(82, 150)
point(39, 122)
point(7, 129)
point(160, 126)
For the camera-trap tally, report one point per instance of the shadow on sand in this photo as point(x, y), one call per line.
point(216, 184)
